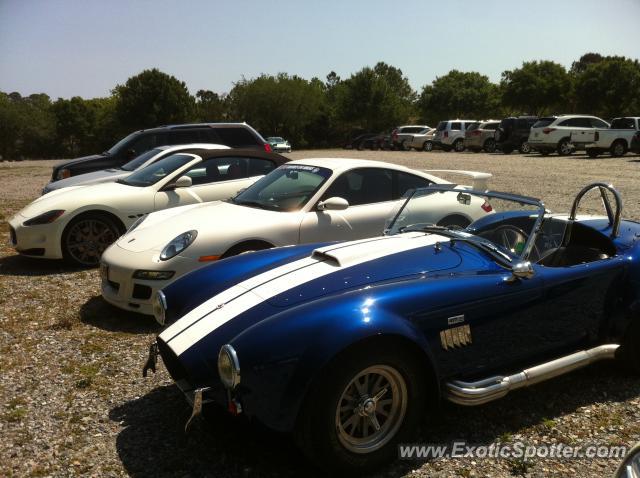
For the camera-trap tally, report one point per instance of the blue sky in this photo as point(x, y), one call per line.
point(85, 47)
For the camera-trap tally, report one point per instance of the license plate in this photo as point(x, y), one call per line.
point(104, 272)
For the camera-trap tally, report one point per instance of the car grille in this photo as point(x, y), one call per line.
point(142, 292)
point(12, 236)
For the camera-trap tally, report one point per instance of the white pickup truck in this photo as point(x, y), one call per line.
point(616, 139)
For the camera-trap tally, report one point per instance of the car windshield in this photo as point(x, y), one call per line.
point(473, 126)
point(138, 161)
point(442, 126)
point(123, 142)
point(157, 171)
point(287, 188)
point(504, 230)
point(276, 139)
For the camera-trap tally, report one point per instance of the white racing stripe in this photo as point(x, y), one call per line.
point(207, 317)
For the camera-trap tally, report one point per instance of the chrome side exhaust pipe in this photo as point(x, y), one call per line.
point(492, 388)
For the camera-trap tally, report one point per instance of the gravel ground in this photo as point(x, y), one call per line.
point(74, 402)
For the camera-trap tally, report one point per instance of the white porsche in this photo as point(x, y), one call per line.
point(78, 223)
point(304, 201)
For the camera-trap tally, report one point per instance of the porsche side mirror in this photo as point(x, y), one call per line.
point(181, 182)
point(630, 467)
point(333, 204)
point(522, 270)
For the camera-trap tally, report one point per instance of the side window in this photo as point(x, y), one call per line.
point(567, 122)
point(522, 124)
point(584, 122)
point(218, 169)
point(596, 123)
point(363, 186)
point(183, 137)
point(142, 144)
point(260, 167)
point(236, 137)
point(406, 181)
point(457, 126)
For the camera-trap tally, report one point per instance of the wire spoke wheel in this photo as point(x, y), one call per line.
point(371, 409)
point(87, 239)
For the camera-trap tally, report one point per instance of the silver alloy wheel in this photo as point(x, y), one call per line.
point(427, 146)
point(525, 148)
point(618, 149)
point(459, 146)
point(565, 148)
point(371, 409)
point(87, 239)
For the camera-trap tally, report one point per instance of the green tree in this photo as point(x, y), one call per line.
point(210, 107)
point(280, 105)
point(152, 98)
point(538, 87)
point(374, 99)
point(609, 87)
point(459, 95)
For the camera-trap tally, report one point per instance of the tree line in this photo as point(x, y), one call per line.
point(315, 112)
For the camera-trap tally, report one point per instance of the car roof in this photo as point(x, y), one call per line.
point(205, 153)
point(176, 147)
point(198, 125)
point(344, 164)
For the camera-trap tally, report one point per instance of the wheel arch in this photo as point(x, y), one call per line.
point(92, 211)
point(247, 244)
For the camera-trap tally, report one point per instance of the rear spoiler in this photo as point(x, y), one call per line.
point(480, 180)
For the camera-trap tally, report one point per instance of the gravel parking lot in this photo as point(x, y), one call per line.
point(74, 402)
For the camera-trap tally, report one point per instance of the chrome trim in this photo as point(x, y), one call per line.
point(160, 315)
point(492, 388)
point(614, 218)
point(231, 353)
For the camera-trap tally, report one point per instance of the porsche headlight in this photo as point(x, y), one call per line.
point(136, 224)
point(46, 218)
point(228, 367)
point(178, 244)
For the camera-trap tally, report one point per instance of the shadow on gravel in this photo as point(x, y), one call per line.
point(153, 442)
point(17, 265)
point(99, 313)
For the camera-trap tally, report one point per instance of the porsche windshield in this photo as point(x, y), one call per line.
point(504, 223)
point(287, 188)
point(138, 161)
point(157, 171)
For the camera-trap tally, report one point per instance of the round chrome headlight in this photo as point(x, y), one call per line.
point(228, 367)
point(178, 244)
point(160, 307)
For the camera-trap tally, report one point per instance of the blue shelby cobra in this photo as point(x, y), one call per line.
point(347, 344)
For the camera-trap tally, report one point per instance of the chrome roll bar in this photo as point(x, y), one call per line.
point(614, 218)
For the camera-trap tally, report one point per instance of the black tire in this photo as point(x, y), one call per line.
point(360, 145)
point(593, 152)
point(87, 236)
point(427, 146)
point(618, 148)
point(525, 148)
point(458, 146)
point(489, 145)
point(545, 152)
point(319, 432)
point(454, 220)
point(629, 353)
point(564, 147)
point(404, 146)
point(246, 247)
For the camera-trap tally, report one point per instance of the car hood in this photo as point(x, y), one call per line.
point(216, 222)
point(96, 177)
point(327, 270)
point(77, 196)
point(82, 159)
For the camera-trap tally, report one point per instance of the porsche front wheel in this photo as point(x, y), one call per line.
point(359, 410)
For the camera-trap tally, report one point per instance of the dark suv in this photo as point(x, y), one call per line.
point(235, 135)
point(513, 134)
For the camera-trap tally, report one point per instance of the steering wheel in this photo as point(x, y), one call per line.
point(513, 239)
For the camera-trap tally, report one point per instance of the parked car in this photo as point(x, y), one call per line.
point(616, 140)
point(553, 133)
point(113, 174)
point(481, 136)
point(278, 144)
point(422, 141)
point(235, 135)
point(77, 224)
point(372, 141)
point(401, 136)
point(347, 345)
point(635, 143)
point(513, 133)
point(304, 201)
point(450, 134)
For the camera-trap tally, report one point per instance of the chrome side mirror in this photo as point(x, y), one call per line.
point(522, 270)
point(333, 204)
point(630, 467)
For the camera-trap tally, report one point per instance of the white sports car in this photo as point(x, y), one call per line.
point(311, 200)
point(78, 223)
point(113, 174)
